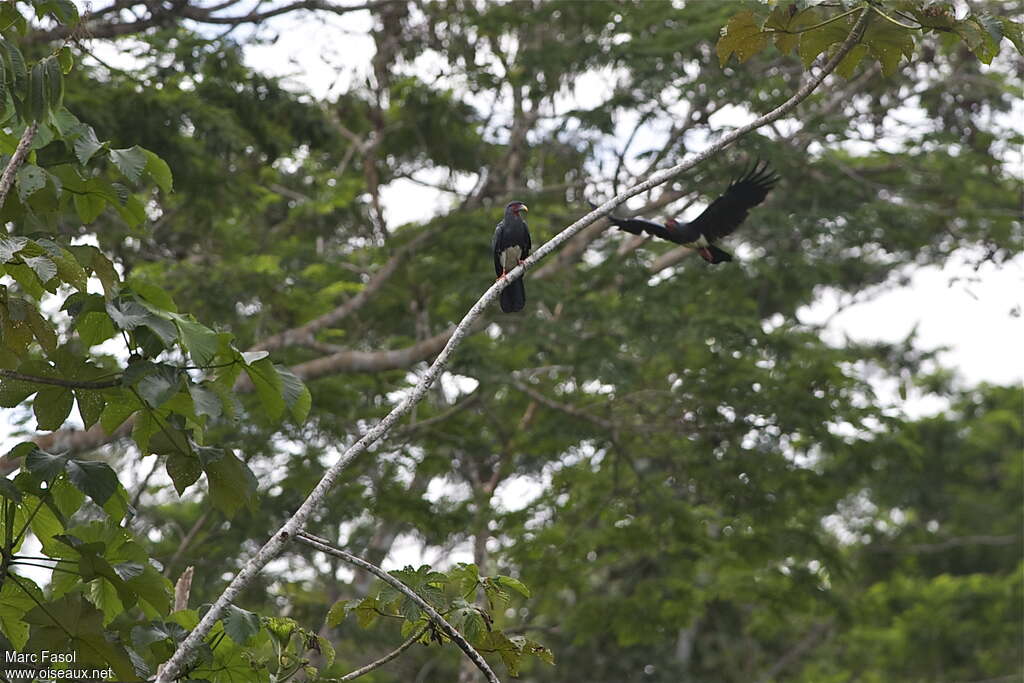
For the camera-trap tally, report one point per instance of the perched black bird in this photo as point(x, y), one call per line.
point(718, 220)
point(511, 245)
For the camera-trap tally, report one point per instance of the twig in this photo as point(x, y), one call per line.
point(17, 159)
point(57, 382)
point(338, 314)
point(273, 547)
point(351, 676)
point(561, 407)
point(474, 656)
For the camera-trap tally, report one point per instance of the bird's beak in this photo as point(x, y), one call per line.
point(524, 207)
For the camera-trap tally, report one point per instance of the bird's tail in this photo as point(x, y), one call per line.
point(513, 297)
point(713, 254)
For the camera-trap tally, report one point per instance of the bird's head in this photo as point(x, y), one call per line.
point(517, 209)
point(672, 224)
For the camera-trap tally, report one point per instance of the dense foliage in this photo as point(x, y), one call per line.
point(657, 473)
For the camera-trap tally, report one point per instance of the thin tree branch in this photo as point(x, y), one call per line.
point(17, 159)
point(57, 382)
point(386, 658)
point(561, 407)
point(955, 542)
point(206, 15)
point(335, 316)
point(273, 547)
point(810, 640)
point(112, 27)
point(449, 630)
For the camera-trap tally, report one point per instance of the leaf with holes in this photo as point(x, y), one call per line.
point(742, 37)
point(29, 180)
point(52, 406)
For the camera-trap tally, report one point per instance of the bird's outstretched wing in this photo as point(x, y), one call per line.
point(727, 212)
point(638, 226)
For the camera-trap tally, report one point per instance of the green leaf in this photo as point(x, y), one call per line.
point(813, 43)
point(157, 169)
point(268, 385)
point(742, 37)
point(11, 245)
point(29, 180)
point(158, 386)
point(66, 59)
point(71, 624)
point(15, 62)
point(327, 651)
point(888, 43)
point(200, 341)
point(52, 406)
point(43, 331)
point(63, 11)
point(206, 402)
point(95, 479)
point(127, 313)
point(67, 499)
point(848, 64)
point(38, 92)
point(515, 584)
point(152, 587)
point(366, 612)
point(13, 392)
point(1014, 32)
point(9, 491)
point(90, 405)
point(43, 266)
point(152, 294)
point(28, 280)
point(68, 268)
point(120, 405)
point(132, 212)
point(240, 625)
point(95, 328)
point(86, 144)
point(787, 24)
point(232, 484)
point(184, 471)
point(295, 393)
point(977, 38)
point(16, 600)
point(338, 611)
point(129, 161)
point(89, 206)
point(54, 84)
point(43, 465)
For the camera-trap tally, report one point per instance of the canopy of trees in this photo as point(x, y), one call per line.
point(657, 472)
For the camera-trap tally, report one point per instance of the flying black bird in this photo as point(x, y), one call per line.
point(718, 220)
point(511, 245)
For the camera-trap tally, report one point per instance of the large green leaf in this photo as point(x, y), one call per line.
point(71, 624)
point(232, 484)
point(51, 406)
point(742, 36)
point(269, 386)
point(130, 161)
